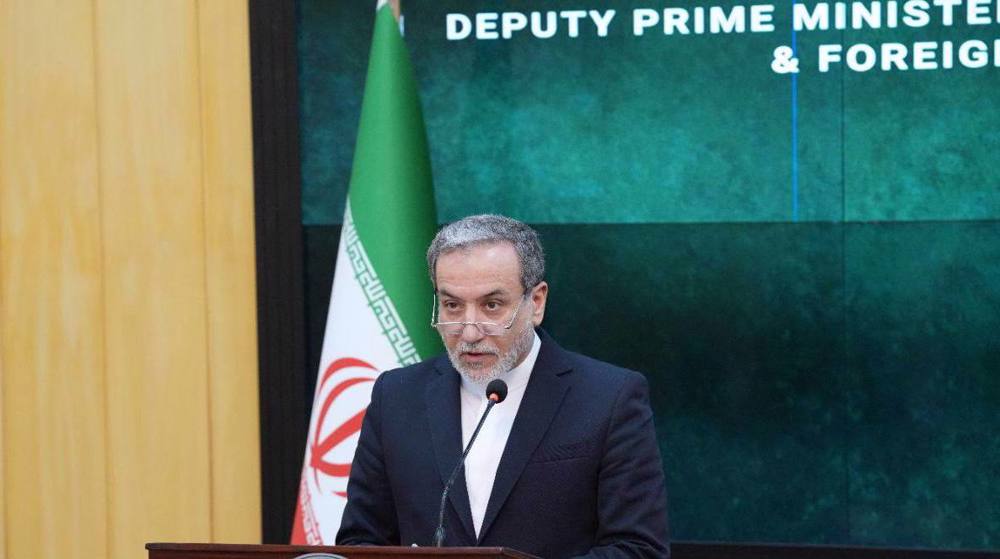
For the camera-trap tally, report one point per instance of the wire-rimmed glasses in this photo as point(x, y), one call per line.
point(455, 328)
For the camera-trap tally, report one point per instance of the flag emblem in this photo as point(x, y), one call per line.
point(328, 435)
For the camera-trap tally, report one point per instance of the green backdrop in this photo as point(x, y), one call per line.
point(806, 266)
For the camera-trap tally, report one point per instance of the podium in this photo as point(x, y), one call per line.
point(270, 551)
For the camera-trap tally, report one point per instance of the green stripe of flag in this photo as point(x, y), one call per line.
point(391, 191)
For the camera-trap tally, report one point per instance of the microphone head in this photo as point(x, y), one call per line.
point(496, 390)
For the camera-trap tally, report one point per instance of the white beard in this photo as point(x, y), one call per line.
point(505, 362)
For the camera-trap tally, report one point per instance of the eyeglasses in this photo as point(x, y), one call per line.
point(486, 328)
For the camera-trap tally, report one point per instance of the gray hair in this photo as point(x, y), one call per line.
point(486, 229)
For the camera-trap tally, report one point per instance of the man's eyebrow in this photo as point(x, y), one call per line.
point(495, 293)
point(444, 293)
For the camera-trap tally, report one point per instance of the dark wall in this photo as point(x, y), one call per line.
point(812, 383)
point(820, 337)
point(284, 400)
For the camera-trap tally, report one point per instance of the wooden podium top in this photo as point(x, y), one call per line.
point(270, 551)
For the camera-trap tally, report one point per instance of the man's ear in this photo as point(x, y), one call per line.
point(539, 294)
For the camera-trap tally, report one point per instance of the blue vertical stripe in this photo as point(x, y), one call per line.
point(795, 126)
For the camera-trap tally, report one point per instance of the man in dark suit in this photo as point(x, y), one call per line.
point(566, 466)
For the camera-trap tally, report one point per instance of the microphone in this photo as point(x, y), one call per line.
point(496, 392)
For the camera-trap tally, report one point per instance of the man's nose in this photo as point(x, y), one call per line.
point(471, 333)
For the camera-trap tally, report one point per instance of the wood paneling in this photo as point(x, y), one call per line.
point(232, 323)
point(154, 255)
point(3, 476)
point(50, 261)
point(128, 362)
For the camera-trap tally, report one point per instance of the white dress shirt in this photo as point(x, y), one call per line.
point(484, 458)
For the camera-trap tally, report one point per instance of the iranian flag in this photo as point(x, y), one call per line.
point(379, 316)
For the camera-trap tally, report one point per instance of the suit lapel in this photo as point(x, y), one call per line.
point(445, 417)
point(542, 398)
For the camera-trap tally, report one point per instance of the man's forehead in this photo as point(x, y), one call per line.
point(488, 266)
point(451, 293)
point(492, 255)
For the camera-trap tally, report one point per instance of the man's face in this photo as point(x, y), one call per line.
point(482, 283)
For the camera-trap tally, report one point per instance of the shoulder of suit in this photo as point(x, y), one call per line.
point(418, 373)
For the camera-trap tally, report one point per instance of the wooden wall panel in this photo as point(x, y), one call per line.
point(3, 457)
point(50, 272)
point(154, 261)
point(232, 322)
point(128, 362)
point(3, 477)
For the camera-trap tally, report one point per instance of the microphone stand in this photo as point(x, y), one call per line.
point(439, 532)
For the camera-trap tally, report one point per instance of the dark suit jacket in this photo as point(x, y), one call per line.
point(581, 473)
